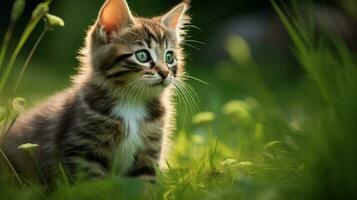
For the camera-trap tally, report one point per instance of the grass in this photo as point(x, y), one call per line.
point(254, 142)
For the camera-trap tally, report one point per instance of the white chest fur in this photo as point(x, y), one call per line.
point(132, 116)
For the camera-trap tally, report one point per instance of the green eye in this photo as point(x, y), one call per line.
point(142, 56)
point(170, 59)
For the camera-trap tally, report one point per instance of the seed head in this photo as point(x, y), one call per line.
point(53, 21)
point(28, 147)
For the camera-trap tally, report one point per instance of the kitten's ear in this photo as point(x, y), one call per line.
point(115, 15)
point(176, 18)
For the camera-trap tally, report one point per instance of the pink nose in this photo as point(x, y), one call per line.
point(163, 73)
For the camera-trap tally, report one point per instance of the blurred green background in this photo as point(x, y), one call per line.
point(276, 120)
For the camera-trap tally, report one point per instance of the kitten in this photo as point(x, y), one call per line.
point(117, 116)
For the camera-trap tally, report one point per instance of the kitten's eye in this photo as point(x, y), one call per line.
point(170, 59)
point(143, 56)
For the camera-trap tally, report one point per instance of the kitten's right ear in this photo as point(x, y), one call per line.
point(114, 16)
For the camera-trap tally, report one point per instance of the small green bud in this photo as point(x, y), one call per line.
point(53, 21)
point(28, 147)
point(40, 11)
point(238, 109)
point(17, 9)
point(229, 162)
point(198, 139)
point(18, 104)
point(239, 50)
point(235, 107)
point(246, 164)
point(203, 118)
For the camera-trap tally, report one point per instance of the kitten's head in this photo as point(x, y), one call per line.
point(124, 50)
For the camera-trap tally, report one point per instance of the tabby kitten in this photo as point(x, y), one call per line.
point(117, 116)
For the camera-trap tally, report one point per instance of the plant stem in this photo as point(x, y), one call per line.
point(28, 59)
point(5, 44)
point(11, 167)
point(27, 32)
point(5, 121)
point(39, 169)
point(64, 174)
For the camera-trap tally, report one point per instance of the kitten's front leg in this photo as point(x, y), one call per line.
point(145, 166)
point(79, 167)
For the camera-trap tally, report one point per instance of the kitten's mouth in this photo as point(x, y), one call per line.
point(163, 82)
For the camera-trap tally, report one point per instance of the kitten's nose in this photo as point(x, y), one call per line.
point(163, 73)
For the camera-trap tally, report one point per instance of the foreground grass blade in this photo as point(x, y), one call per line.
point(17, 11)
point(11, 167)
point(37, 15)
point(51, 22)
point(28, 59)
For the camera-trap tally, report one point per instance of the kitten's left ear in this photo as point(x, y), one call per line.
point(115, 15)
point(177, 17)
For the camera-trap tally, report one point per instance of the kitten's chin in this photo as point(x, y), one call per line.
point(157, 89)
point(166, 82)
point(161, 83)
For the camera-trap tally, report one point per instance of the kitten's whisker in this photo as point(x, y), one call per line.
point(196, 79)
point(181, 97)
point(140, 90)
point(136, 91)
point(190, 45)
point(190, 88)
point(143, 87)
point(193, 26)
point(146, 85)
point(185, 77)
point(195, 41)
point(124, 91)
point(133, 92)
point(182, 103)
point(186, 95)
point(126, 95)
point(191, 94)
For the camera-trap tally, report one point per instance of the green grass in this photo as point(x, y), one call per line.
point(254, 141)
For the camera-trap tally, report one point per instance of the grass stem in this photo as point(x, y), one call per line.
point(6, 42)
point(26, 34)
point(11, 167)
point(39, 169)
point(28, 59)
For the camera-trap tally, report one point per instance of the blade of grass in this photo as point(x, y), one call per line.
point(37, 15)
point(17, 10)
point(288, 26)
point(5, 44)
point(28, 59)
point(11, 167)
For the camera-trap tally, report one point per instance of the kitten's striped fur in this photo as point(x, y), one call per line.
point(117, 116)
